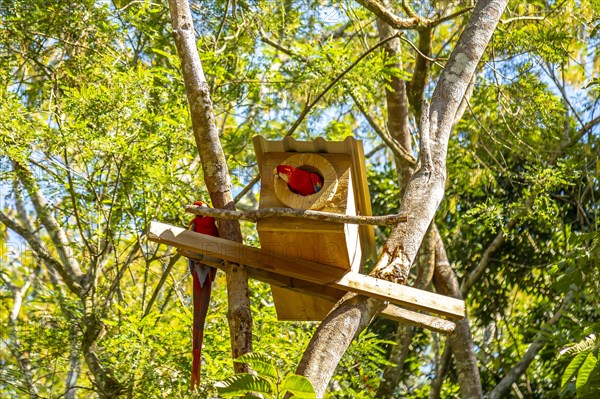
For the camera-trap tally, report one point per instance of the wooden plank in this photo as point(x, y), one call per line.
point(292, 305)
point(306, 270)
point(391, 311)
point(422, 320)
point(402, 295)
point(275, 279)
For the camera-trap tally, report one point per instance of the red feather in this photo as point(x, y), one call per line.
point(300, 181)
point(203, 277)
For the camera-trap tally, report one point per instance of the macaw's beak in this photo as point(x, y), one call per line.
point(282, 176)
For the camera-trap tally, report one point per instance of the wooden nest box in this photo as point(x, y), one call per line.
point(344, 191)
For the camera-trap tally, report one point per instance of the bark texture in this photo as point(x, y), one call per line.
point(398, 126)
point(337, 331)
point(426, 187)
point(254, 215)
point(397, 106)
point(422, 197)
point(460, 341)
point(416, 87)
point(216, 174)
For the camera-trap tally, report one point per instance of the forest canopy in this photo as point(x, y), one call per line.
point(97, 141)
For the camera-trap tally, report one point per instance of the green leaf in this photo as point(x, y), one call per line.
point(584, 372)
point(299, 385)
point(572, 368)
point(262, 364)
point(240, 384)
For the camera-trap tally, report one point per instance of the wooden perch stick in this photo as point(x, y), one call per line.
point(254, 215)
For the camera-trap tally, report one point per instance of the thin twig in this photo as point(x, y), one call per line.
point(245, 190)
point(336, 80)
point(255, 215)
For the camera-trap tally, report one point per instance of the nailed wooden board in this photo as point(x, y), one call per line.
point(412, 318)
point(306, 270)
point(332, 295)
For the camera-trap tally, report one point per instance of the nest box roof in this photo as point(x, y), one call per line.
point(350, 146)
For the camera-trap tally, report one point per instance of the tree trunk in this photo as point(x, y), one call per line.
point(216, 174)
point(422, 197)
point(405, 334)
point(460, 341)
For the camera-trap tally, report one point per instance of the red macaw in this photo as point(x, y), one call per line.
point(300, 181)
point(203, 278)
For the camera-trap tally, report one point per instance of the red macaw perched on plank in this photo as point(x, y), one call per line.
point(203, 278)
point(300, 181)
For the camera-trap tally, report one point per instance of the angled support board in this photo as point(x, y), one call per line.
point(306, 270)
point(392, 312)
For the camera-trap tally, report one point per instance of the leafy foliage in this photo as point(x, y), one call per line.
point(92, 108)
point(267, 382)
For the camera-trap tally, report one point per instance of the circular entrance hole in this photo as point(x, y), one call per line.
point(312, 163)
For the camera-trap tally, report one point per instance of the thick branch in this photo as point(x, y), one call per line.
point(460, 341)
point(414, 22)
point(57, 234)
point(422, 197)
point(426, 187)
point(43, 254)
point(255, 215)
point(216, 173)
point(416, 86)
point(389, 17)
point(397, 105)
point(339, 328)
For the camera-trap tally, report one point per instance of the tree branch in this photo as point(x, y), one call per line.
point(396, 149)
point(415, 89)
point(255, 215)
point(389, 17)
point(538, 343)
point(404, 333)
point(337, 79)
point(216, 173)
point(460, 341)
point(161, 283)
point(57, 234)
point(422, 197)
point(69, 279)
point(496, 243)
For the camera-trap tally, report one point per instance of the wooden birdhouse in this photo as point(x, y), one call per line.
point(344, 191)
point(309, 262)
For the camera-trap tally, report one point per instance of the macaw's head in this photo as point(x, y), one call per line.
point(204, 205)
point(284, 172)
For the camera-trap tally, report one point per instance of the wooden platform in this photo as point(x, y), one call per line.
point(318, 279)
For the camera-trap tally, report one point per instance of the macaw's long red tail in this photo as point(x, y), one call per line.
point(203, 278)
